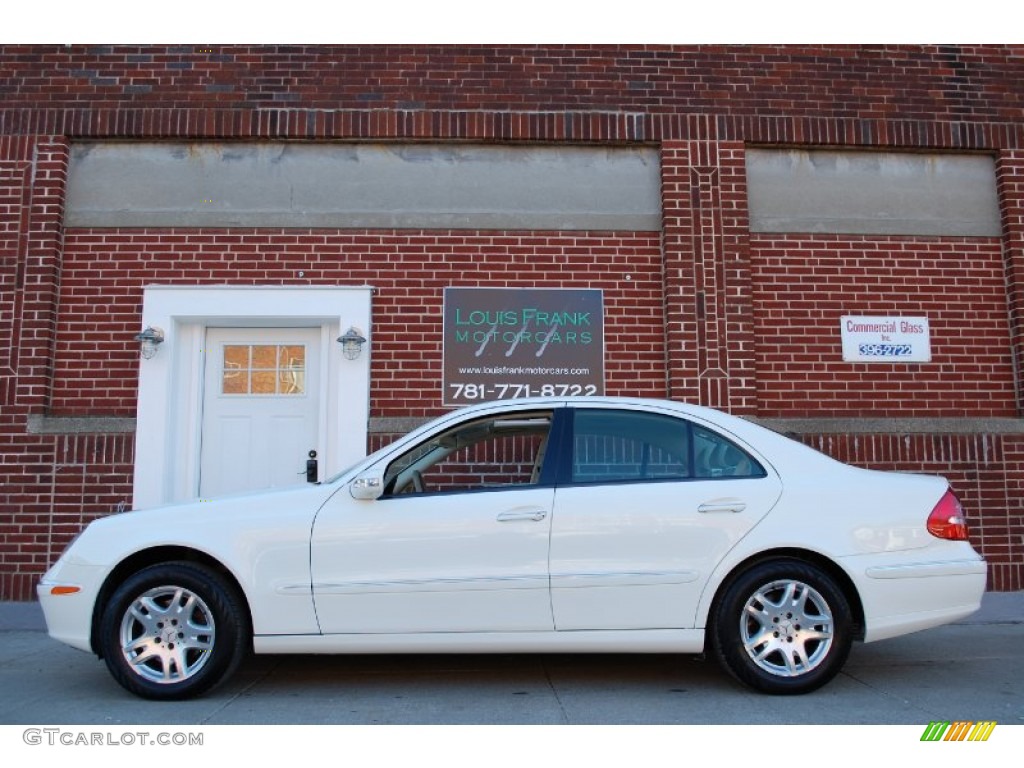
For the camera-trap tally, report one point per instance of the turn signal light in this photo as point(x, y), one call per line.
point(947, 520)
point(64, 590)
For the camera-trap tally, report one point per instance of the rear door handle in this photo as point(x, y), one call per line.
point(723, 505)
point(533, 515)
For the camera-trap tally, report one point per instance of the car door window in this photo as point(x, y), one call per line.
point(621, 446)
point(498, 452)
point(628, 446)
point(714, 456)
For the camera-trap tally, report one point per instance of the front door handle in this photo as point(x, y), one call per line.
point(533, 515)
point(722, 505)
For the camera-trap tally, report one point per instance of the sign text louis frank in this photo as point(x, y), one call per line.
point(508, 343)
point(874, 339)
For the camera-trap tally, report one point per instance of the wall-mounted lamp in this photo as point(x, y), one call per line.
point(151, 338)
point(351, 343)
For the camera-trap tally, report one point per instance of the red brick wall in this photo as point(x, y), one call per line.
point(912, 82)
point(803, 284)
point(717, 311)
point(96, 363)
point(1010, 180)
point(707, 274)
point(53, 485)
point(32, 176)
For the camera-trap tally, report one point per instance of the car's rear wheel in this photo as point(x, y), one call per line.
point(783, 627)
point(173, 631)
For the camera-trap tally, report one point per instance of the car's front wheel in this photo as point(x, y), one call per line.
point(783, 627)
point(173, 631)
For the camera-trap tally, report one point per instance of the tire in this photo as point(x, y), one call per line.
point(783, 627)
point(173, 631)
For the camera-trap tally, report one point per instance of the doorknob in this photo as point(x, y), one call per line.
point(312, 472)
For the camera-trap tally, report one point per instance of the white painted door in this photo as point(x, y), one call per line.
point(260, 408)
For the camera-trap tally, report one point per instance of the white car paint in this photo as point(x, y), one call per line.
point(475, 562)
point(605, 567)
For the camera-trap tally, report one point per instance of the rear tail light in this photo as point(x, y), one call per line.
point(947, 520)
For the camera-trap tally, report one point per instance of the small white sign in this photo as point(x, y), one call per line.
point(886, 339)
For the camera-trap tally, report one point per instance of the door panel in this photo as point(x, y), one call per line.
point(260, 408)
point(434, 562)
point(457, 543)
point(637, 556)
point(650, 506)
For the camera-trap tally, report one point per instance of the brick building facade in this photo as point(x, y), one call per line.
point(712, 305)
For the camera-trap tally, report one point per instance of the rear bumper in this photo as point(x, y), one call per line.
point(902, 598)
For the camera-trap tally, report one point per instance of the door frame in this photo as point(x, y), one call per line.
point(169, 413)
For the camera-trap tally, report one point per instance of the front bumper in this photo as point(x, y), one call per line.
point(69, 615)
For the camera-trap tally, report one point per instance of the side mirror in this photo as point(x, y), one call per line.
point(367, 487)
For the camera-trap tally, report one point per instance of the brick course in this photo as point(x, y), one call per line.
point(804, 284)
point(915, 82)
point(95, 361)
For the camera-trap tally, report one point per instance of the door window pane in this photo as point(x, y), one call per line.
point(624, 446)
point(614, 446)
point(714, 456)
point(264, 383)
point(264, 356)
point(497, 452)
point(291, 366)
point(264, 369)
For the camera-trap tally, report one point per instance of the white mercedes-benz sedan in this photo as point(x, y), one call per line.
point(542, 525)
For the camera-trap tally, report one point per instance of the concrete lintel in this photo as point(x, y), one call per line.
point(400, 425)
point(78, 425)
point(363, 186)
point(395, 425)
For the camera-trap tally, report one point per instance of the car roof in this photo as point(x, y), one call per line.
point(746, 430)
point(602, 401)
point(770, 445)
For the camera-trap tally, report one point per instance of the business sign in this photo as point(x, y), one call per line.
point(508, 343)
point(886, 339)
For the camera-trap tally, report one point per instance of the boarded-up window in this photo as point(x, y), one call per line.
point(884, 193)
point(418, 186)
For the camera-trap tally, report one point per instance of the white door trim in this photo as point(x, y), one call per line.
point(170, 383)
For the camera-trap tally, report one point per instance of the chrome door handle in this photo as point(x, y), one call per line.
point(533, 515)
point(722, 506)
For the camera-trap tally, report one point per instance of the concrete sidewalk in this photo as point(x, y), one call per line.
point(21, 617)
point(996, 608)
